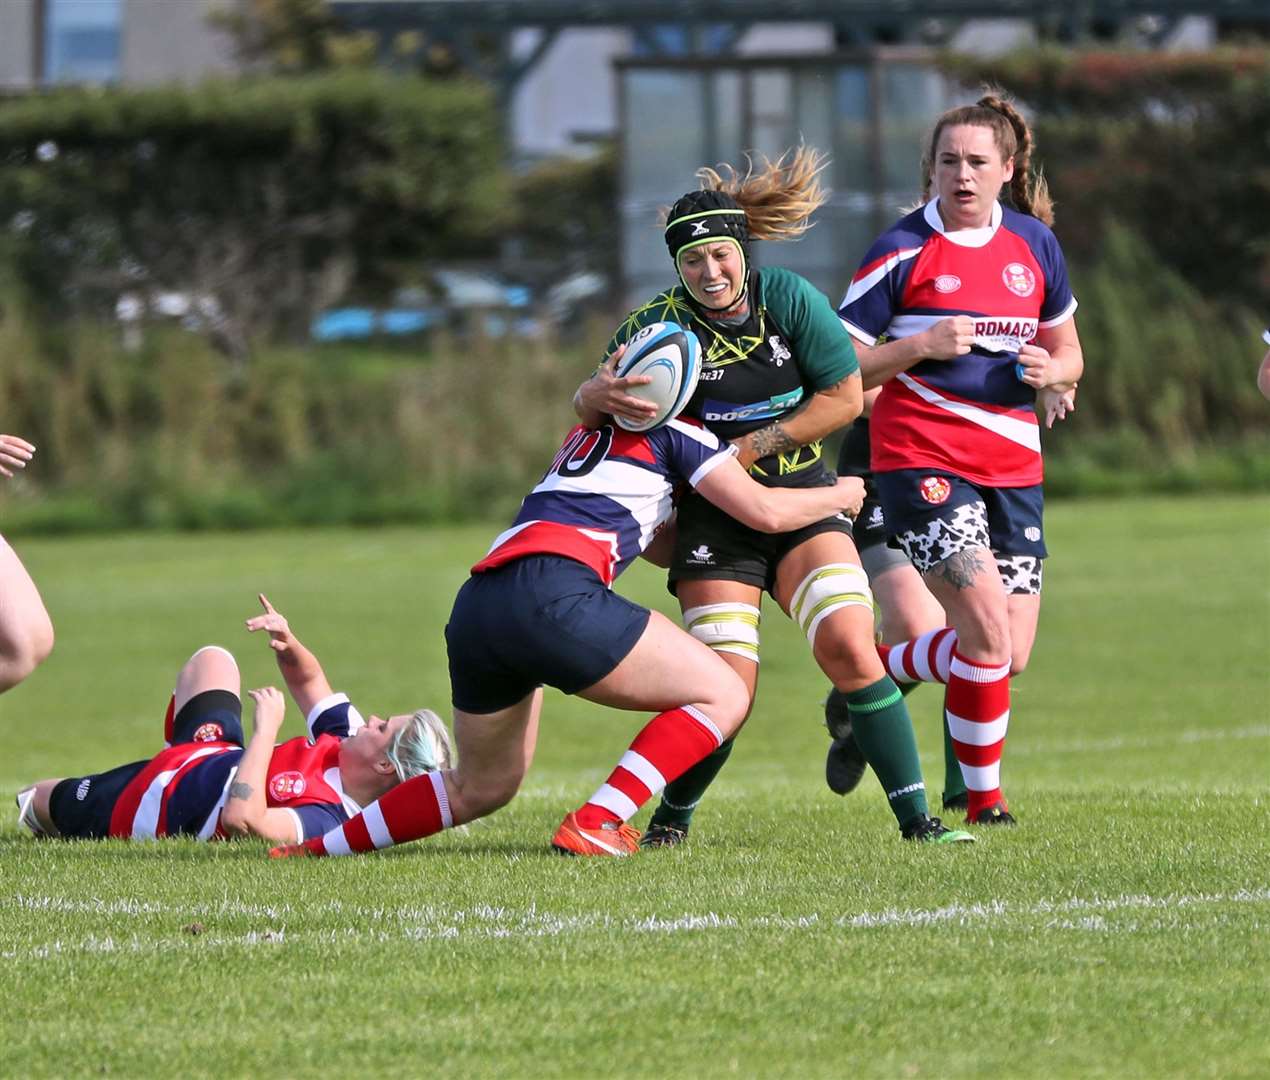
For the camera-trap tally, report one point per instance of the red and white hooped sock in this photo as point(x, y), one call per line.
point(977, 706)
point(412, 810)
point(670, 744)
point(924, 659)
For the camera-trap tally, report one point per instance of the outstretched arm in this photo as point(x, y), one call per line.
point(300, 668)
point(246, 811)
point(14, 454)
point(778, 510)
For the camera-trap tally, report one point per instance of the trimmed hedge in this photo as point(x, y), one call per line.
point(271, 196)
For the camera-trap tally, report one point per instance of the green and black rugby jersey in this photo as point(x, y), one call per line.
point(791, 345)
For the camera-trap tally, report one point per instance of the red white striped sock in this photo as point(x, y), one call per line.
point(924, 659)
point(668, 747)
point(977, 705)
point(410, 811)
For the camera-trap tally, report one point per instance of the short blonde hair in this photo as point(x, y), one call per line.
point(422, 745)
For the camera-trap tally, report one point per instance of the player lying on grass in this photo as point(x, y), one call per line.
point(26, 632)
point(206, 784)
point(539, 609)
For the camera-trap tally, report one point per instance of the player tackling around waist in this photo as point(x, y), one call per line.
point(538, 609)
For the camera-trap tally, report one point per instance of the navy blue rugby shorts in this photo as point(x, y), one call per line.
point(540, 619)
point(81, 806)
point(934, 514)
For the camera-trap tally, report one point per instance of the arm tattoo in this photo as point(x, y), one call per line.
point(771, 440)
point(239, 790)
point(960, 570)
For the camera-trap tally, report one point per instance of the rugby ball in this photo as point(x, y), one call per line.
point(671, 355)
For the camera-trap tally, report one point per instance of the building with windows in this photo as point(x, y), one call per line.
point(98, 42)
point(664, 80)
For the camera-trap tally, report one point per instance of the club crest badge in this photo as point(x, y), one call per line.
point(287, 785)
point(1019, 279)
point(935, 489)
point(209, 732)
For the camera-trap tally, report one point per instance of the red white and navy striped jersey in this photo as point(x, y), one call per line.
point(607, 493)
point(181, 791)
point(970, 416)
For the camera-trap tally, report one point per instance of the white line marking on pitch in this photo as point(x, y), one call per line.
point(1027, 746)
point(486, 921)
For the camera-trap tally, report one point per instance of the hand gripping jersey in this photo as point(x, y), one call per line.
point(789, 347)
point(970, 416)
point(606, 494)
point(182, 790)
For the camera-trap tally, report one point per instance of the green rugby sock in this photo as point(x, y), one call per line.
point(880, 721)
point(679, 798)
point(954, 782)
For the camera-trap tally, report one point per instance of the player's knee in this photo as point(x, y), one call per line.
point(211, 667)
point(731, 627)
point(489, 793)
point(729, 705)
point(40, 638)
point(984, 635)
point(210, 656)
point(827, 590)
point(848, 657)
point(25, 652)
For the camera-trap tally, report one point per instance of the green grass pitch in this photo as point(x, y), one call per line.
point(1122, 930)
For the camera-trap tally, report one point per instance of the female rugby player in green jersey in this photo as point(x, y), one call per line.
point(778, 374)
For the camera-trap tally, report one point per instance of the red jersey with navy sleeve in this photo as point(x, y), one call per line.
point(970, 416)
point(607, 493)
point(182, 790)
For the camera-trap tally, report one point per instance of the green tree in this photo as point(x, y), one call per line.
point(293, 36)
point(1173, 146)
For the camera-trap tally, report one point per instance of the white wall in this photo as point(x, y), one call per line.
point(17, 43)
point(170, 40)
point(571, 90)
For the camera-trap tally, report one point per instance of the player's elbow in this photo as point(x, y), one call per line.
point(237, 822)
point(25, 651)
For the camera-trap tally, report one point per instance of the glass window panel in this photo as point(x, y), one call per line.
point(658, 163)
point(727, 99)
point(660, 157)
point(81, 40)
point(853, 170)
point(772, 118)
point(722, 110)
point(814, 119)
point(912, 97)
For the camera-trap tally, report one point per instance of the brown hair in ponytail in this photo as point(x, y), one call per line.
point(1013, 138)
